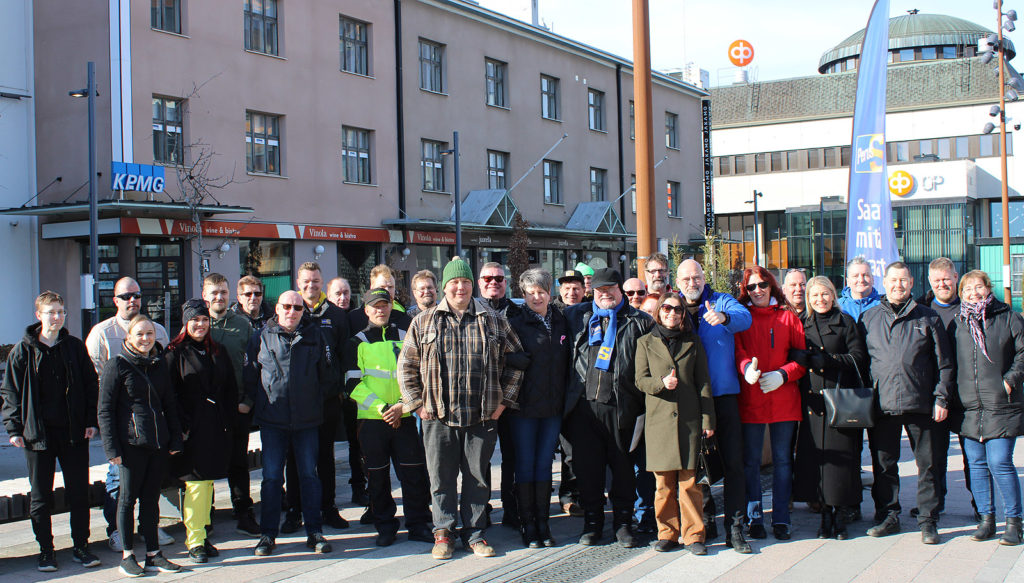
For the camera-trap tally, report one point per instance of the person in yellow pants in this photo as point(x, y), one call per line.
point(204, 385)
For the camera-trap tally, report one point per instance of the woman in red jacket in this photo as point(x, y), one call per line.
point(769, 395)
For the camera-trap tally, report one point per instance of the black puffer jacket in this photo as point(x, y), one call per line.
point(988, 411)
point(22, 411)
point(835, 356)
point(546, 362)
point(334, 326)
point(137, 404)
point(912, 363)
point(204, 387)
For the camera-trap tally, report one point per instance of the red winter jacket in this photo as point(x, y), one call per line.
point(774, 331)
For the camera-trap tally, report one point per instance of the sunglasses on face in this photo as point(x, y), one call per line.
point(127, 296)
point(490, 278)
point(761, 284)
point(250, 294)
point(292, 307)
point(635, 292)
point(667, 308)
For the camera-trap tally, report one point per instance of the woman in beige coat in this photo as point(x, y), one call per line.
point(672, 369)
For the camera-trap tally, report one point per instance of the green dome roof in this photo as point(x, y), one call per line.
point(916, 30)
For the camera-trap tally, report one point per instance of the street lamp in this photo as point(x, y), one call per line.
point(454, 153)
point(94, 259)
point(757, 256)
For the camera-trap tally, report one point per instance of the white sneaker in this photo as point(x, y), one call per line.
point(163, 537)
point(114, 542)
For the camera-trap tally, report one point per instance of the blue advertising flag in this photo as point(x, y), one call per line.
point(869, 227)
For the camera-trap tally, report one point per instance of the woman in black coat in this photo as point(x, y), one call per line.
point(204, 386)
point(544, 334)
point(138, 419)
point(828, 459)
point(990, 377)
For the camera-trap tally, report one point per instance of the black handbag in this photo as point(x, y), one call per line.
point(850, 407)
point(710, 468)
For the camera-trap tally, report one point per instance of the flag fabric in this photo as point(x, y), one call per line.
point(869, 226)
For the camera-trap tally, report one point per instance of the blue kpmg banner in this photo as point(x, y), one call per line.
point(138, 177)
point(869, 228)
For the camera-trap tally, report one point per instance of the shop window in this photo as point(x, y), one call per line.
point(271, 261)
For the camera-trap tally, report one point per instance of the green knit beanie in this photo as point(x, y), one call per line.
point(584, 269)
point(455, 268)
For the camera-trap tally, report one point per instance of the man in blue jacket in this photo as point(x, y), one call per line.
point(717, 317)
point(860, 294)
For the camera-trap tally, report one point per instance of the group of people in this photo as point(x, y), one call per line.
point(632, 379)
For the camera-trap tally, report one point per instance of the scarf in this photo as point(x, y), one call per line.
point(607, 342)
point(974, 314)
point(545, 319)
point(672, 337)
point(139, 358)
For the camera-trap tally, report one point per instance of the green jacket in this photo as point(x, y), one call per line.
point(371, 379)
point(233, 332)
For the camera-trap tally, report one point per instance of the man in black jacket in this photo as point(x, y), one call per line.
point(49, 408)
point(602, 403)
point(912, 366)
point(286, 363)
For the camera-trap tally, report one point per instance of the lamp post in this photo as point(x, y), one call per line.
point(757, 255)
point(94, 259)
point(454, 152)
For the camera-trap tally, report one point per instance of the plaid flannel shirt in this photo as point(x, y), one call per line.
point(455, 367)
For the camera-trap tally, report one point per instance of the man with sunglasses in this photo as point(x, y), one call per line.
point(250, 302)
point(287, 362)
point(104, 342)
point(635, 291)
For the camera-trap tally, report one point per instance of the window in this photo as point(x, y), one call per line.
point(945, 146)
point(433, 165)
point(759, 162)
point(739, 163)
point(927, 148)
point(949, 52)
point(595, 105)
point(989, 144)
point(928, 53)
point(830, 158)
point(549, 97)
point(791, 161)
point(632, 190)
point(431, 66)
point(262, 143)
point(261, 26)
point(165, 15)
point(813, 158)
point(598, 178)
point(496, 72)
point(672, 190)
point(899, 152)
point(906, 55)
point(671, 131)
point(724, 168)
point(552, 182)
point(962, 147)
point(167, 137)
point(775, 160)
point(355, 155)
point(354, 46)
point(497, 165)
point(844, 156)
point(1016, 274)
point(632, 120)
point(271, 261)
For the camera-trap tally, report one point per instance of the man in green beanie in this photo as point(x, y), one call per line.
point(452, 373)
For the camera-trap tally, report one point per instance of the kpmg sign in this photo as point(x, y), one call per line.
point(138, 177)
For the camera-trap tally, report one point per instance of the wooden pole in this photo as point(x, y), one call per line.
point(644, 139)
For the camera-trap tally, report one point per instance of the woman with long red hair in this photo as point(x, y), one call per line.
point(769, 396)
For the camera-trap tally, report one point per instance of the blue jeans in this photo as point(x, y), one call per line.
point(782, 469)
point(535, 439)
point(275, 451)
point(643, 508)
point(990, 460)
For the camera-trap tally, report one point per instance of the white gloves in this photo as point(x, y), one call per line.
point(771, 381)
point(751, 374)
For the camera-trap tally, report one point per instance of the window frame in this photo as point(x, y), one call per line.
point(157, 15)
point(361, 46)
point(598, 184)
point(252, 139)
point(496, 83)
point(671, 130)
point(362, 152)
point(595, 110)
point(497, 174)
point(552, 177)
point(435, 62)
point(432, 165)
point(550, 98)
point(672, 198)
point(160, 141)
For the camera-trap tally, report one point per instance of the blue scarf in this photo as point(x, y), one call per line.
point(607, 341)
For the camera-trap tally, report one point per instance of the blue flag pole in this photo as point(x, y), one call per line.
point(869, 226)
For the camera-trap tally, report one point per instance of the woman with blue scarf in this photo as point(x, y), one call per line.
point(990, 378)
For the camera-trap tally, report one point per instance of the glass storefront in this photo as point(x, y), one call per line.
point(271, 261)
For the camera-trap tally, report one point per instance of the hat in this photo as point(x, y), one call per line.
point(193, 308)
point(571, 275)
point(456, 268)
point(606, 276)
point(584, 269)
point(375, 295)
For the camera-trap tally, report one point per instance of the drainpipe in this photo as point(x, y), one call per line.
point(399, 110)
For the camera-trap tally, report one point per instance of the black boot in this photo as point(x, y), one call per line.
point(1012, 535)
point(736, 540)
point(623, 526)
point(525, 498)
point(510, 510)
point(827, 528)
point(593, 525)
point(542, 508)
point(843, 517)
point(986, 527)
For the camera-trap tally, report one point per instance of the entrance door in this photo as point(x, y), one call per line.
point(158, 268)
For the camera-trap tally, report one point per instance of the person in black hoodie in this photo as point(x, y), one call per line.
point(49, 409)
point(544, 333)
point(990, 380)
point(206, 392)
point(138, 418)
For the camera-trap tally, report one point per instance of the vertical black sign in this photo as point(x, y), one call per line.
point(709, 212)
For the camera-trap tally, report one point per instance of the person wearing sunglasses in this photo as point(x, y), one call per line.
point(105, 341)
point(287, 360)
point(250, 302)
point(769, 396)
point(672, 371)
point(635, 291)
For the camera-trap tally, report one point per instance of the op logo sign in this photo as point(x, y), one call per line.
point(870, 154)
point(901, 183)
point(741, 53)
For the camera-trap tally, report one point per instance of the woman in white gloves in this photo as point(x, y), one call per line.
point(769, 395)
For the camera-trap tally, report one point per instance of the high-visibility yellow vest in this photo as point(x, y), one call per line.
point(377, 371)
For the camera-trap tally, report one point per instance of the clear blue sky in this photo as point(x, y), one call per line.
point(788, 36)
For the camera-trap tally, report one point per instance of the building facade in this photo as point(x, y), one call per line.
point(324, 132)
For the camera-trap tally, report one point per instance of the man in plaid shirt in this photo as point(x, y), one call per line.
point(452, 373)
